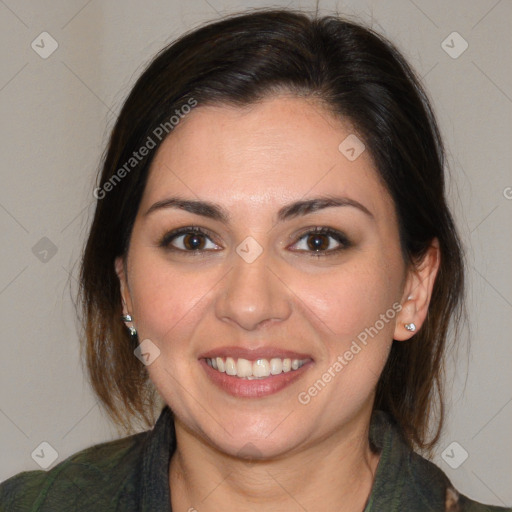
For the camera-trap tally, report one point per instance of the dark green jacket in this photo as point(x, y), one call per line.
point(131, 474)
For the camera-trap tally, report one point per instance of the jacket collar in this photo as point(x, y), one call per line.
point(403, 480)
point(156, 456)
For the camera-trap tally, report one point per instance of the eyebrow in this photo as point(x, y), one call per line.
point(298, 208)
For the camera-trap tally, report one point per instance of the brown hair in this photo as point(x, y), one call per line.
point(359, 76)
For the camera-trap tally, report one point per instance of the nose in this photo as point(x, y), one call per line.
point(253, 294)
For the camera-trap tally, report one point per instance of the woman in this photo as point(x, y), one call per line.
point(272, 255)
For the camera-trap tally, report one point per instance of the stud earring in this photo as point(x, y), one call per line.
point(133, 331)
point(410, 327)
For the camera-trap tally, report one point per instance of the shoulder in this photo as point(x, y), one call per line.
point(87, 480)
point(427, 478)
point(407, 481)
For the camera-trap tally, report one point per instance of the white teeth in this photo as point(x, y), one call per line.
point(243, 368)
point(230, 366)
point(276, 366)
point(259, 369)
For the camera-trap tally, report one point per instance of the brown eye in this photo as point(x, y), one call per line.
point(318, 242)
point(189, 239)
point(323, 242)
point(193, 241)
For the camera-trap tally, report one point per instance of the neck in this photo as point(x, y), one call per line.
point(334, 474)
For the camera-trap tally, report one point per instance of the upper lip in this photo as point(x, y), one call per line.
point(253, 354)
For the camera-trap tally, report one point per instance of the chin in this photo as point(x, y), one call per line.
point(253, 436)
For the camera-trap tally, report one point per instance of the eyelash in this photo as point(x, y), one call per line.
point(344, 242)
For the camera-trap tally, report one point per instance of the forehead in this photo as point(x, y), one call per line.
point(278, 150)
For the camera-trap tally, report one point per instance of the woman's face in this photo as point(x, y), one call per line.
point(254, 284)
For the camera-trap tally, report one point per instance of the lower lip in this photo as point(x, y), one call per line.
point(255, 388)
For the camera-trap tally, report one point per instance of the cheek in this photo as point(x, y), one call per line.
point(353, 297)
point(355, 306)
point(167, 301)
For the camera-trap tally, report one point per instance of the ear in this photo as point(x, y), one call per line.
point(123, 284)
point(417, 292)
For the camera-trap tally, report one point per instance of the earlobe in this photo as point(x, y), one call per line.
point(406, 317)
point(418, 290)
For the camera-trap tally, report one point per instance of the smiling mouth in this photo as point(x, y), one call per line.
point(258, 369)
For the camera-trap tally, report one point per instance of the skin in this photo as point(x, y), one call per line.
point(253, 161)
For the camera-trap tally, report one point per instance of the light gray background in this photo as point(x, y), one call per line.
point(56, 114)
